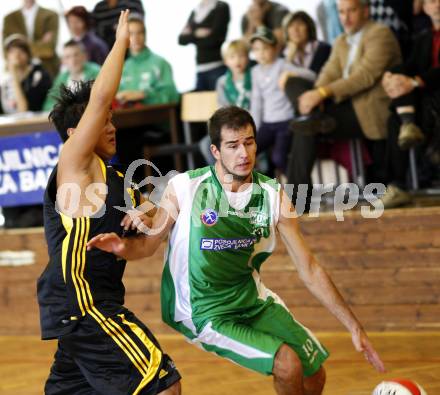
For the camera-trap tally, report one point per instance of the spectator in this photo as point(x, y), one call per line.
point(146, 78)
point(264, 13)
point(270, 107)
point(302, 46)
point(25, 85)
point(420, 20)
point(79, 22)
point(40, 26)
point(349, 87)
point(234, 87)
point(106, 15)
point(414, 88)
point(77, 68)
point(22, 88)
point(207, 27)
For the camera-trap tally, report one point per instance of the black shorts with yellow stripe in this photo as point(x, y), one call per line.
point(119, 358)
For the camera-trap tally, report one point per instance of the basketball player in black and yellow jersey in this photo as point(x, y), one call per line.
point(102, 347)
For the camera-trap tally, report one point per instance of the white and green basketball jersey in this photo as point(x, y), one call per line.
point(215, 250)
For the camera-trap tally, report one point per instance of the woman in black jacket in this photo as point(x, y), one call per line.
point(207, 27)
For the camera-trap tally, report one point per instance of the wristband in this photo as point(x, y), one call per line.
point(323, 92)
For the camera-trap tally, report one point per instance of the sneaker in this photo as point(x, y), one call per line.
point(395, 197)
point(410, 135)
point(309, 125)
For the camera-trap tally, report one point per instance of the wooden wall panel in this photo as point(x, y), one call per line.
point(387, 269)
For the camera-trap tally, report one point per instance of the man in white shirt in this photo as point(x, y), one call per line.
point(40, 25)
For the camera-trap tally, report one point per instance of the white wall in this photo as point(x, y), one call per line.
point(165, 19)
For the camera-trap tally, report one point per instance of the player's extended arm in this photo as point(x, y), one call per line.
point(145, 244)
point(320, 284)
point(77, 152)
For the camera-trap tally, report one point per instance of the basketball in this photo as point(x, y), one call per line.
point(398, 387)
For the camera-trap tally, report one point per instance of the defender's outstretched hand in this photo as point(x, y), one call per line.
point(122, 29)
point(363, 344)
point(135, 219)
point(108, 242)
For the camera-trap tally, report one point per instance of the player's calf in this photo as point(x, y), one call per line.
point(314, 385)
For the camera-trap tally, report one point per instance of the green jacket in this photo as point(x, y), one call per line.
point(151, 74)
point(91, 71)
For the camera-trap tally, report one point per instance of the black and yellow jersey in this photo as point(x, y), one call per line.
point(77, 282)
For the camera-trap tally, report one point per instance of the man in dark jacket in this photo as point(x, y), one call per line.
point(206, 28)
point(413, 87)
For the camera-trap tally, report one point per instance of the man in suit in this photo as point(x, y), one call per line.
point(348, 90)
point(414, 87)
point(40, 25)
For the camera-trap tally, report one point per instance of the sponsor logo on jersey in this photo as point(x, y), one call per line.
point(226, 244)
point(258, 218)
point(209, 217)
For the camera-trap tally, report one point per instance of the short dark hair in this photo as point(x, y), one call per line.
point(73, 43)
point(137, 18)
point(81, 13)
point(70, 106)
point(18, 41)
point(232, 117)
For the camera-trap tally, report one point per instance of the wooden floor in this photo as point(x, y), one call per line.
point(25, 362)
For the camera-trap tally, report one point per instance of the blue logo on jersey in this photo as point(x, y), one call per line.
point(209, 217)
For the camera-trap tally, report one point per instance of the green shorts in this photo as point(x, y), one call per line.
point(253, 342)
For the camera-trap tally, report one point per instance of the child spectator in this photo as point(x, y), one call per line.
point(234, 87)
point(270, 107)
point(76, 69)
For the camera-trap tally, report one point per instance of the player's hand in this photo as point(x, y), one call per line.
point(362, 344)
point(135, 219)
point(122, 28)
point(108, 242)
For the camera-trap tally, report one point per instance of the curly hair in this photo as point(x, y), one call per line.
point(70, 106)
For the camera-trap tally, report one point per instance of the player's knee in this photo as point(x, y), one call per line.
point(314, 385)
point(175, 389)
point(287, 364)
